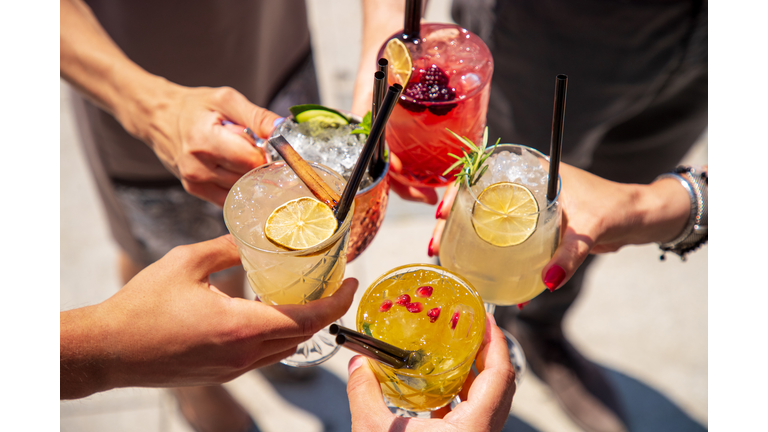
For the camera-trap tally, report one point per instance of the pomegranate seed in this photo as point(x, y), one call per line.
point(403, 300)
point(414, 307)
point(385, 305)
point(433, 314)
point(454, 320)
point(424, 291)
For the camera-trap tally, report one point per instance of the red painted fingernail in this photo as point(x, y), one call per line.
point(429, 248)
point(522, 305)
point(554, 277)
point(437, 213)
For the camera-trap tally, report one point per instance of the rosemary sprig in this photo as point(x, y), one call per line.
point(474, 161)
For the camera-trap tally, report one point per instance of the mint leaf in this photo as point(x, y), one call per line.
point(364, 127)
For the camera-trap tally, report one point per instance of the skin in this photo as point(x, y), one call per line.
point(170, 327)
point(381, 19)
point(181, 124)
point(486, 398)
point(601, 216)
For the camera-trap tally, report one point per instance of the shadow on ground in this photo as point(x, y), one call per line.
point(648, 410)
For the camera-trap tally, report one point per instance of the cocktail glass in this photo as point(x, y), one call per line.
point(279, 276)
point(341, 155)
point(509, 275)
point(423, 307)
point(417, 130)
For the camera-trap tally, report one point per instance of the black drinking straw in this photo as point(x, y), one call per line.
point(556, 141)
point(412, 24)
point(373, 348)
point(383, 68)
point(377, 129)
point(379, 86)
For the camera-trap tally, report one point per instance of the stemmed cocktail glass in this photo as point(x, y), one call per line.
point(502, 231)
point(280, 276)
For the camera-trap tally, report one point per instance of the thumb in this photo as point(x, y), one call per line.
point(366, 402)
point(241, 111)
point(212, 256)
point(571, 252)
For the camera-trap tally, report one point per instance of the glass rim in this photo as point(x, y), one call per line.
point(342, 230)
point(467, 96)
point(460, 279)
point(550, 205)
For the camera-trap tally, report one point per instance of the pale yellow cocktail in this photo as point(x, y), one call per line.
point(496, 236)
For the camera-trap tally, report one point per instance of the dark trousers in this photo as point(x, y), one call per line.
point(637, 89)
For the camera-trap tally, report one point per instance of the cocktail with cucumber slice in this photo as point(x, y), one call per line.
point(335, 139)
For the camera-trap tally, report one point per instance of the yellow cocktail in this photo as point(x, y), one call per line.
point(424, 308)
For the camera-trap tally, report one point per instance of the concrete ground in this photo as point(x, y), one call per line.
point(643, 320)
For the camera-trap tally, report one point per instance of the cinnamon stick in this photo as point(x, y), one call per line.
point(316, 185)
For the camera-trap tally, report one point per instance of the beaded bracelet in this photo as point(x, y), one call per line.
point(695, 182)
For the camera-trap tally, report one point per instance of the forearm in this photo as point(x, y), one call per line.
point(95, 65)
point(381, 19)
point(84, 360)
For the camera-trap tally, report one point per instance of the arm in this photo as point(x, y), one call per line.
point(486, 398)
point(169, 327)
point(181, 124)
point(381, 19)
point(600, 216)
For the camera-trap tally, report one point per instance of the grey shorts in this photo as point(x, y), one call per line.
point(161, 218)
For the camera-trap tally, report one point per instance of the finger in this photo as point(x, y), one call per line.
point(570, 253)
point(444, 209)
point(238, 109)
point(308, 319)
point(210, 256)
point(411, 193)
point(234, 152)
point(366, 402)
point(433, 249)
point(492, 390)
point(210, 192)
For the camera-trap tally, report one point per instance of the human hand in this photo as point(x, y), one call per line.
point(187, 135)
point(170, 327)
point(409, 193)
point(599, 216)
point(486, 398)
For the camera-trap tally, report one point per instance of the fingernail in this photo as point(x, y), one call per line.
point(554, 277)
point(437, 213)
point(429, 248)
point(522, 305)
point(278, 121)
point(354, 363)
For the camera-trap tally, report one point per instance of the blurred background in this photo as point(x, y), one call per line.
point(643, 320)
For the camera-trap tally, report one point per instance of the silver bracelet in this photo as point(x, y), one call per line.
point(694, 235)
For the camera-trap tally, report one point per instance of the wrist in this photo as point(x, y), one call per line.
point(143, 97)
point(85, 359)
point(664, 209)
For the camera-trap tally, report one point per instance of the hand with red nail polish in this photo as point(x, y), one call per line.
point(407, 192)
point(443, 210)
point(485, 398)
point(601, 216)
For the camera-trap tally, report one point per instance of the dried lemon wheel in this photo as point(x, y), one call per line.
point(508, 215)
point(399, 58)
point(300, 224)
